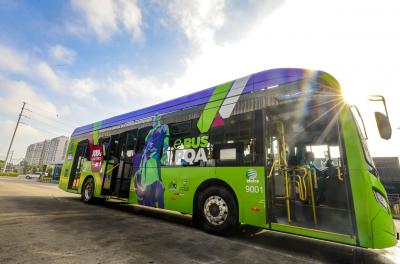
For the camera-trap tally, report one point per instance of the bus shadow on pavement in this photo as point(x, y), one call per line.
point(324, 251)
point(319, 250)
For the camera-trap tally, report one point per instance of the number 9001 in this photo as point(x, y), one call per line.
point(254, 189)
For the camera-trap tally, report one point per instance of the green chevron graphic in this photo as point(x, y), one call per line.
point(96, 127)
point(212, 107)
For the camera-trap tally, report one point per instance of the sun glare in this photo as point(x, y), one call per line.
point(354, 96)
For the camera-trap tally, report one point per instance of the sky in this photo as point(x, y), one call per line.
point(75, 62)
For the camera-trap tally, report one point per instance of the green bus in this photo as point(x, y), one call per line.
point(278, 149)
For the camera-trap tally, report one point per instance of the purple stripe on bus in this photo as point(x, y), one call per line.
point(256, 82)
point(269, 78)
point(180, 103)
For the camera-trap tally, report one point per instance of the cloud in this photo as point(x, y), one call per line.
point(83, 89)
point(15, 92)
point(25, 136)
point(47, 74)
point(32, 129)
point(34, 69)
point(352, 41)
point(136, 90)
point(241, 16)
point(107, 17)
point(198, 19)
point(12, 61)
point(62, 54)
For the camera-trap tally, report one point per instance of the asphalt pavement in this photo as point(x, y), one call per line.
point(41, 224)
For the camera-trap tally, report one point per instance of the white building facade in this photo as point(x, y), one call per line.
point(56, 150)
point(47, 152)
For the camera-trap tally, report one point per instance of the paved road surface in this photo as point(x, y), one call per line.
point(41, 224)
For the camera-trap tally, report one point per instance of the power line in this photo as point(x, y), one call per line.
point(50, 123)
point(54, 116)
point(39, 108)
point(43, 130)
point(43, 123)
point(65, 125)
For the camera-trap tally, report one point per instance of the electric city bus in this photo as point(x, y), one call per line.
point(278, 149)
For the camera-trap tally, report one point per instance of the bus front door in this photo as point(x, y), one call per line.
point(81, 152)
point(278, 182)
point(306, 183)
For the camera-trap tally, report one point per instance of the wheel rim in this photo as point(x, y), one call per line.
point(215, 210)
point(88, 189)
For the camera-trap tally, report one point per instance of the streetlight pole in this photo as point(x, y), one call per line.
point(12, 139)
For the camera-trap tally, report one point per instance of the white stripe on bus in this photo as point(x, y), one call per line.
point(232, 97)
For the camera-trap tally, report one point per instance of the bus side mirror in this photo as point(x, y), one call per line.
point(382, 120)
point(384, 127)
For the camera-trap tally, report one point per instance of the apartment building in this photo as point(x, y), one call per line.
point(47, 152)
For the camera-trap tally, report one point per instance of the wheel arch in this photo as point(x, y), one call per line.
point(213, 182)
point(84, 181)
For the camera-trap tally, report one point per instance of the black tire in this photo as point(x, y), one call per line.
point(217, 211)
point(27, 177)
point(87, 192)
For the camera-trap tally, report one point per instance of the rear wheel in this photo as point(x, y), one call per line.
point(87, 193)
point(217, 211)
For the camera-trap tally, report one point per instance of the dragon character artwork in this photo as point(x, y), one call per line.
point(147, 179)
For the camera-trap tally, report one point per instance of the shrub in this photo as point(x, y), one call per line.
point(12, 174)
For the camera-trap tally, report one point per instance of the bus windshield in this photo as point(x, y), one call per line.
point(363, 137)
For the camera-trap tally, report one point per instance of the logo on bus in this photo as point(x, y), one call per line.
point(191, 150)
point(96, 157)
point(251, 176)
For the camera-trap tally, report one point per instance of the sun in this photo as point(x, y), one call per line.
point(354, 96)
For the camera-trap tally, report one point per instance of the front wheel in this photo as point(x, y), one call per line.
point(217, 211)
point(87, 193)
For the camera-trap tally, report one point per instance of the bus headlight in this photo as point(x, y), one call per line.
point(381, 200)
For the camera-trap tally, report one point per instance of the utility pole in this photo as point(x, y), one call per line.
point(12, 139)
point(11, 156)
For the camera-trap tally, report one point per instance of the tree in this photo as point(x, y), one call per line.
point(49, 170)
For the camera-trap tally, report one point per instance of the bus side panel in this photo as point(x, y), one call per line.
point(383, 227)
point(181, 184)
point(66, 168)
point(247, 184)
point(360, 184)
point(87, 172)
point(132, 194)
point(374, 226)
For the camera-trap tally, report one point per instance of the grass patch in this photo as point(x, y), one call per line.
point(10, 174)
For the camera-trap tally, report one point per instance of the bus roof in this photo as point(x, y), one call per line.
point(257, 81)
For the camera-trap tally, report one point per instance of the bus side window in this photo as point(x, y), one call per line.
point(86, 153)
point(83, 154)
point(131, 141)
point(113, 148)
point(104, 142)
point(234, 141)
